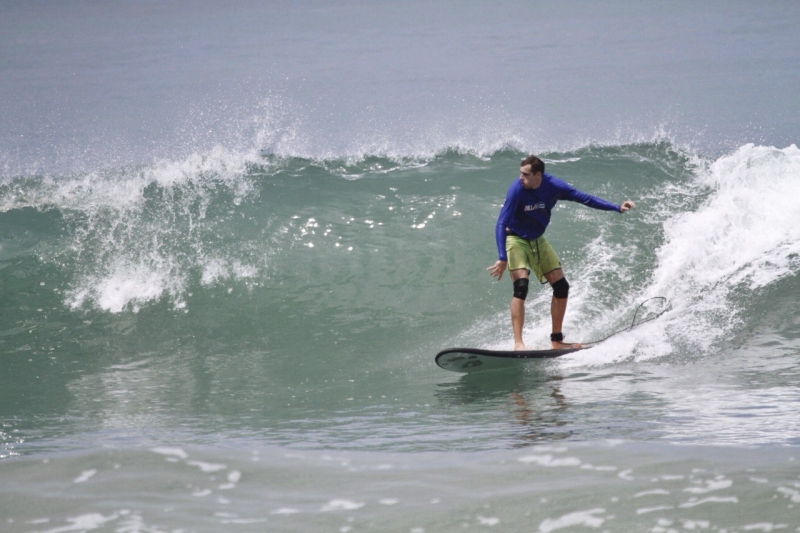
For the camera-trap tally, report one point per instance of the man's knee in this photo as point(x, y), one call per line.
point(561, 288)
point(521, 288)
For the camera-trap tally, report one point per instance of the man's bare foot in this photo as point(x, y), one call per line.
point(518, 347)
point(564, 345)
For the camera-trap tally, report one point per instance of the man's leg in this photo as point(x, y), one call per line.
point(518, 307)
point(558, 308)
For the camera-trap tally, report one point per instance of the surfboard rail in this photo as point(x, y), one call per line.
point(479, 359)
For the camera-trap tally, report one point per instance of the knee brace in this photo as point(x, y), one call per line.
point(561, 288)
point(521, 288)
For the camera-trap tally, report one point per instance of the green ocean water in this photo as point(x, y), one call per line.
point(243, 306)
point(258, 294)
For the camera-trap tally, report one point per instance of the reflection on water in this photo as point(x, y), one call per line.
point(537, 421)
point(531, 400)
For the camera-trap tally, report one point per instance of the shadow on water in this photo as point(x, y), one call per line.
point(531, 401)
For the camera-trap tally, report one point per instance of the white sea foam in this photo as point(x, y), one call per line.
point(285, 511)
point(549, 460)
point(488, 520)
point(710, 486)
point(139, 234)
point(645, 510)
point(792, 494)
point(764, 526)
point(86, 522)
point(740, 237)
point(207, 467)
point(125, 286)
point(693, 502)
point(171, 452)
point(743, 235)
point(588, 518)
point(85, 476)
point(342, 505)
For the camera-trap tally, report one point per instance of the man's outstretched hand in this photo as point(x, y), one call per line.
point(497, 269)
point(626, 206)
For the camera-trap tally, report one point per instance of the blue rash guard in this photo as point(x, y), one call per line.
point(526, 212)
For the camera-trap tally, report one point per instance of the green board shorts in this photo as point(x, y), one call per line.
point(536, 255)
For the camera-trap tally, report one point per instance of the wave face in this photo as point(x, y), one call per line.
point(226, 284)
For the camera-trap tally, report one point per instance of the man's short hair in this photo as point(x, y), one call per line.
point(537, 165)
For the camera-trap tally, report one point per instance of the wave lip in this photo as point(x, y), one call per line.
point(135, 235)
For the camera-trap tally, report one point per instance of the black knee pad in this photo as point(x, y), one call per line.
point(561, 288)
point(521, 288)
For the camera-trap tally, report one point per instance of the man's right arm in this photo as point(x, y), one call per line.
point(500, 238)
point(506, 212)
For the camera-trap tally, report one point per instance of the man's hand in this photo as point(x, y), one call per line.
point(497, 269)
point(626, 206)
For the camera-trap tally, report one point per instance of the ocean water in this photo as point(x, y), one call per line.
point(233, 238)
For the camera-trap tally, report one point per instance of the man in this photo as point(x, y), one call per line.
point(522, 247)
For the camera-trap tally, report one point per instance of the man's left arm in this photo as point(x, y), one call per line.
point(568, 192)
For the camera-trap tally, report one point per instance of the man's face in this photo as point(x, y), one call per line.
point(528, 179)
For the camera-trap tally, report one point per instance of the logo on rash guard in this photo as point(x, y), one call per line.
point(534, 207)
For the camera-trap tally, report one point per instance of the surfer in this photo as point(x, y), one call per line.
point(521, 245)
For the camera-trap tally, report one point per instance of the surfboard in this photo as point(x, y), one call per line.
point(469, 360)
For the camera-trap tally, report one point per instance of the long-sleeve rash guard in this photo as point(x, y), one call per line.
point(526, 212)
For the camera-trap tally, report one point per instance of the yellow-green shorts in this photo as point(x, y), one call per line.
point(536, 255)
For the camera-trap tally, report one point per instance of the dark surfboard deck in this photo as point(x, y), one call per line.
point(475, 359)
